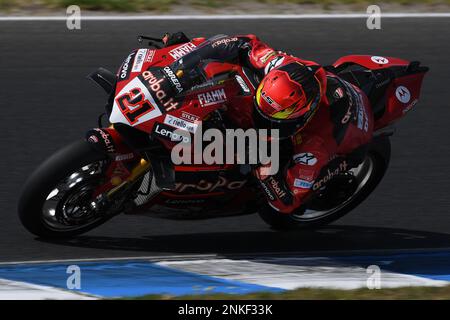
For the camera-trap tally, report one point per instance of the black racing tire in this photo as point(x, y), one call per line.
point(43, 181)
point(380, 154)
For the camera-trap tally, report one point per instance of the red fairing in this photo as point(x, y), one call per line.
point(401, 96)
point(333, 132)
point(141, 59)
point(215, 68)
point(119, 144)
point(371, 62)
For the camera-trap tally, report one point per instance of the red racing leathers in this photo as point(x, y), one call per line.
point(342, 124)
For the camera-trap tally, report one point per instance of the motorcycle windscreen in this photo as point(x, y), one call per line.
point(134, 105)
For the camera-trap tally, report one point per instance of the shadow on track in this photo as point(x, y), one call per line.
point(332, 238)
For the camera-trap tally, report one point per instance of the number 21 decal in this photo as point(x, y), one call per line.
point(133, 105)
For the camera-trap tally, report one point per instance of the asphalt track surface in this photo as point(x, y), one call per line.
point(46, 102)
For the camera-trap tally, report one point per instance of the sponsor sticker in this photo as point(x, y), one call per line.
point(173, 79)
point(305, 158)
point(168, 133)
point(410, 106)
point(267, 190)
point(403, 95)
point(270, 101)
point(303, 184)
point(224, 41)
point(360, 117)
point(307, 175)
point(339, 93)
point(93, 139)
point(274, 63)
point(379, 60)
point(180, 123)
point(189, 117)
point(275, 185)
point(210, 186)
point(124, 72)
point(267, 56)
point(348, 115)
point(139, 60)
point(182, 50)
point(149, 56)
point(242, 83)
point(154, 85)
point(123, 157)
point(212, 97)
point(330, 173)
point(107, 140)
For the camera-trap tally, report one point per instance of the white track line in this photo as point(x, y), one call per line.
point(152, 258)
point(303, 254)
point(17, 290)
point(291, 274)
point(227, 17)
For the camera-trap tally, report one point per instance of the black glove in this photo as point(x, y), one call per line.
point(174, 38)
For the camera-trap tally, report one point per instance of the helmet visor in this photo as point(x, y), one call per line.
point(286, 127)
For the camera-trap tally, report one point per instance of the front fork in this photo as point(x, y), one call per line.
point(138, 171)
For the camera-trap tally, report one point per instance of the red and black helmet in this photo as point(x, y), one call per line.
point(287, 98)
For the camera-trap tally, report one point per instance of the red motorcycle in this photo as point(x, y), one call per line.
point(126, 167)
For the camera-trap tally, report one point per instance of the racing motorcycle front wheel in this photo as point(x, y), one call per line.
point(57, 200)
point(341, 195)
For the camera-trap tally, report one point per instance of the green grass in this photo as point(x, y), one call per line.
point(405, 293)
point(164, 5)
point(115, 5)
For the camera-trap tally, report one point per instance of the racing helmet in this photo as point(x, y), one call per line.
point(287, 98)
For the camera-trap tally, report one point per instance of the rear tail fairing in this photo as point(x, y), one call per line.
point(402, 95)
point(369, 62)
point(391, 84)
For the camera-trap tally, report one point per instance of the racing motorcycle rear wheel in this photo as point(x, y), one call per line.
point(57, 199)
point(347, 192)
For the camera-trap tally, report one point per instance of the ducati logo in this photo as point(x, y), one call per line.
point(403, 95)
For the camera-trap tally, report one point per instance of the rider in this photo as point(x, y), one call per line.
point(322, 117)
